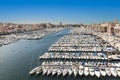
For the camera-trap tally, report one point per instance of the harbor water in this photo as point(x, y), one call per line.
point(17, 59)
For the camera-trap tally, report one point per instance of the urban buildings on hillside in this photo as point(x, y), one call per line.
point(8, 28)
point(112, 28)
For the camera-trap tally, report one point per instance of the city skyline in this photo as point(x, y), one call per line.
point(55, 11)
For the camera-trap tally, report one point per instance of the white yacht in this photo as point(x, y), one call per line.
point(59, 72)
point(113, 71)
point(102, 71)
point(118, 71)
point(108, 72)
point(49, 71)
point(70, 71)
point(86, 71)
point(97, 72)
point(92, 71)
point(33, 71)
point(64, 72)
point(81, 70)
point(38, 71)
point(44, 71)
point(75, 71)
point(54, 71)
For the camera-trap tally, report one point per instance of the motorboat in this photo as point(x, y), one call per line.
point(44, 71)
point(59, 72)
point(81, 70)
point(49, 71)
point(54, 71)
point(75, 71)
point(38, 71)
point(118, 71)
point(113, 71)
point(92, 71)
point(86, 71)
point(64, 72)
point(102, 71)
point(33, 71)
point(70, 72)
point(97, 72)
point(108, 72)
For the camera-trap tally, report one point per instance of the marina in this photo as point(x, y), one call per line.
point(77, 68)
point(60, 40)
point(80, 53)
point(25, 53)
point(30, 35)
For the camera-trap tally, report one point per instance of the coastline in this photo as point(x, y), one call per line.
point(32, 35)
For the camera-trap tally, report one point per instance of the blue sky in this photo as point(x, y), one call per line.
point(54, 11)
